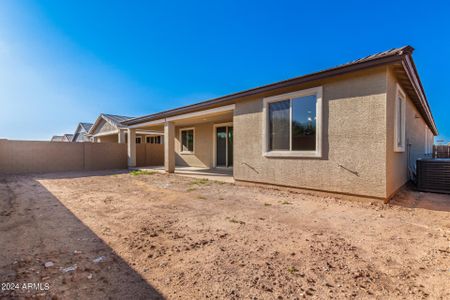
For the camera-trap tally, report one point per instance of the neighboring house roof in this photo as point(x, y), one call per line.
point(57, 138)
point(114, 120)
point(81, 126)
point(68, 137)
point(401, 57)
point(86, 126)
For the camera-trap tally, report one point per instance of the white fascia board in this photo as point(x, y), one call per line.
point(149, 132)
point(155, 122)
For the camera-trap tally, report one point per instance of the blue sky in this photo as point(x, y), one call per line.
point(62, 62)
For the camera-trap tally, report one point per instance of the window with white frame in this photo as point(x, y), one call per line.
point(428, 141)
point(138, 140)
point(187, 140)
point(431, 142)
point(292, 124)
point(399, 133)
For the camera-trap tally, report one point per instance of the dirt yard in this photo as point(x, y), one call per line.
point(119, 236)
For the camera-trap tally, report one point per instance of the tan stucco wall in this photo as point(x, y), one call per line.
point(113, 138)
point(354, 136)
point(40, 157)
point(397, 162)
point(203, 147)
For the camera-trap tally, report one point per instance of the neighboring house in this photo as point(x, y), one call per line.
point(354, 129)
point(67, 138)
point(81, 133)
point(57, 138)
point(62, 138)
point(109, 129)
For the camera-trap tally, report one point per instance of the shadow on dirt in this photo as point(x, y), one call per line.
point(80, 174)
point(411, 198)
point(43, 243)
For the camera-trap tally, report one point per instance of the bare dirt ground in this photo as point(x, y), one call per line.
point(166, 236)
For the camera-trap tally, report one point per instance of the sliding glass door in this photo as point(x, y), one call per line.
point(224, 146)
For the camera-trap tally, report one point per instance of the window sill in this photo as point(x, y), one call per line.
point(294, 154)
point(399, 149)
point(187, 153)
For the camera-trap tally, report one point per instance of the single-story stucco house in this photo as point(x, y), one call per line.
point(81, 133)
point(355, 129)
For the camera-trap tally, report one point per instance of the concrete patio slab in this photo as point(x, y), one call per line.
point(217, 174)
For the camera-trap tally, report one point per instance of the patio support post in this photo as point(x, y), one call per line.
point(121, 136)
point(131, 146)
point(169, 147)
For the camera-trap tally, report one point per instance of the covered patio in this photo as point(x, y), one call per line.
point(195, 144)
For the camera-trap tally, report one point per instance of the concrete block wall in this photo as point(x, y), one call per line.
point(21, 157)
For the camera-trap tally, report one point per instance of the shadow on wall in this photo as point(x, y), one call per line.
point(201, 160)
point(36, 228)
point(190, 160)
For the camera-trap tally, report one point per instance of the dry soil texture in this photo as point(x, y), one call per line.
point(165, 236)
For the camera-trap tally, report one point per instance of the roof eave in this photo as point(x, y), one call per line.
point(411, 71)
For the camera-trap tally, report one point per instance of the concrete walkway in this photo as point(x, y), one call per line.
point(217, 174)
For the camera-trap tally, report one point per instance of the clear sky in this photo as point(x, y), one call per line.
point(62, 62)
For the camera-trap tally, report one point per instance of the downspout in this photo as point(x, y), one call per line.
point(411, 166)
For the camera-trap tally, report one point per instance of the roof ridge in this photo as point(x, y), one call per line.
point(399, 51)
point(122, 116)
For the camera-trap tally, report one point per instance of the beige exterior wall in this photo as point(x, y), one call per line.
point(40, 157)
point(203, 147)
point(113, 138)
point(399, 162)
point(353, 136)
